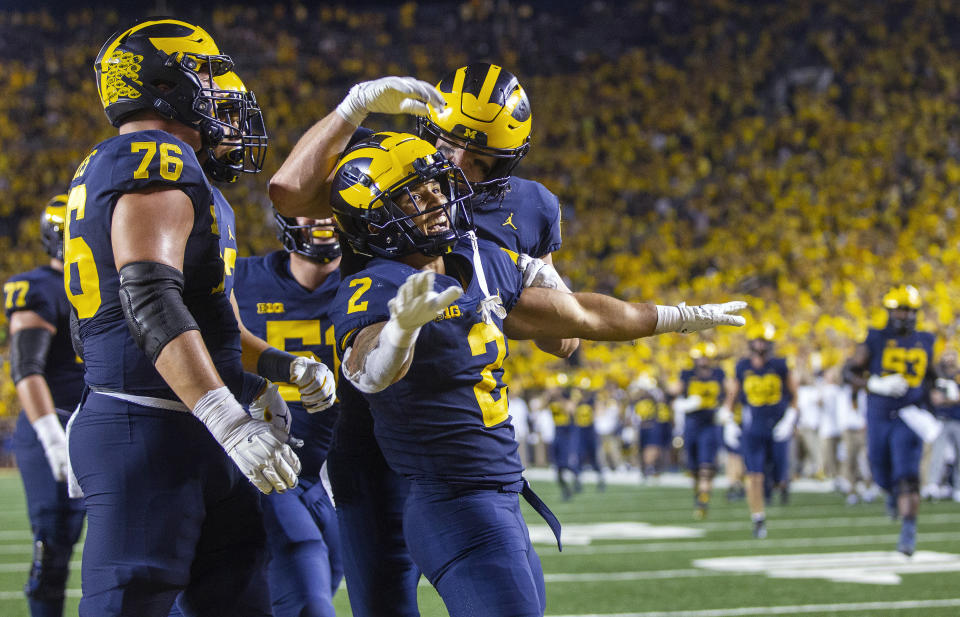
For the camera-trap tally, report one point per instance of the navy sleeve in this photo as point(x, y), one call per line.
point(27, 292)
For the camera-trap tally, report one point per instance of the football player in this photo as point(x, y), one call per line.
point(768, 391)
point(946, 400)
point(296, 553)
point(894, 364)
point(485, 120)
point(563, 448)
point(420, 338)
point(702, 394)
point(653, 440)
point(162, 448)
point(586, 440)
point(282, 298)
point(48, 376)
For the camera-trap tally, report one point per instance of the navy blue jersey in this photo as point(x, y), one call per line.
point(225, 226)
point(276, 308)
point(764, 390)
point(709, 389)
point(447, 418)
point(41, 290)
point(123, 164)
point(910, 356)
point(526, 221)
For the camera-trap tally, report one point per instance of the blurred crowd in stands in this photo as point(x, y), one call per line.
point(802, 156)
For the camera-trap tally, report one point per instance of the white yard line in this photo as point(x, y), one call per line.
point(787, 610)
point(924, 539)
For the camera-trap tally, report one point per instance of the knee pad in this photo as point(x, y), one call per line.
point(48, 572)
point(908, 485)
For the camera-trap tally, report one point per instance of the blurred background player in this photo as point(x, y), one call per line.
point(564, 450)
point(946, 403)
point(894, 364)
point(767, 390)
point(282, 298)
point(141, 236)
point(653, 439)
point(49, 380)
point(702, 393)
point(851, 411)
point(586, 438)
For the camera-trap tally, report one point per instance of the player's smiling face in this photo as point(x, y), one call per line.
point(429, 199)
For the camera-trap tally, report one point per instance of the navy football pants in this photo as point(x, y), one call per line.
point(381, 575)
point(474, 547)
point(303, 540)
point(701, 440)
point(55, 521)
point(894, 452)
point(167, 511)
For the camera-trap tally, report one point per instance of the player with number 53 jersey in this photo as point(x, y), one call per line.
point(894, 364)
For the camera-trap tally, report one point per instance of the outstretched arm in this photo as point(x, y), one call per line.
point(548, 313)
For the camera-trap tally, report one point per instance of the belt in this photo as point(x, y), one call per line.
point(523, 487)
point(146, 401)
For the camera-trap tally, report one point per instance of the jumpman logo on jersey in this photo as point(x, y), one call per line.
point(509, 222)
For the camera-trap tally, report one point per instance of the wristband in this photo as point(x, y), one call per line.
point(274, 365)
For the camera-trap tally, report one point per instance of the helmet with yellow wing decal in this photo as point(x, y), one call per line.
point(379, 173)
point(902, 304)
point(167, 66)
point(52, 225)
point(488, 113)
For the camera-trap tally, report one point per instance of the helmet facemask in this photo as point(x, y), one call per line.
point(316, 241)
point(902, 320)
point(232, 112)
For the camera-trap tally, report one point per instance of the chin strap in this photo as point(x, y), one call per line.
point(490, 305)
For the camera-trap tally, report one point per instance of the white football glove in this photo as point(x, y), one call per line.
point(54, 441)
point(256, 447)
point(927, 426)
point(272, 409)
point(783, 429)
point(731, 435)
point(950, 389)
point(318, 389)
point(893, 385)
point(684, 319)
point(537, 273)
point(389, 95)
point(415, 305)
point(684, 405)
point(723, 416)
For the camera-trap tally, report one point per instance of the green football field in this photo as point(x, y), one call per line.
point(636, 551)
